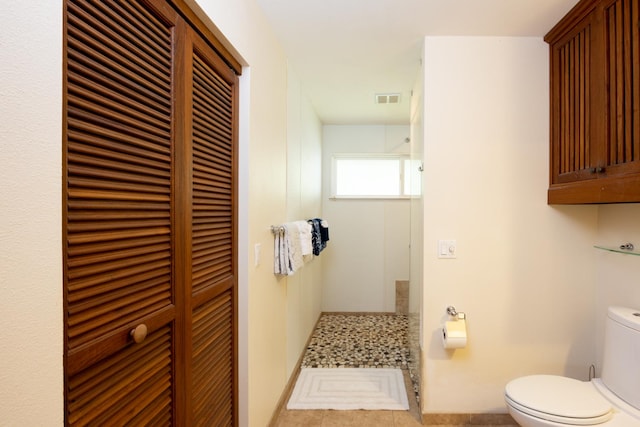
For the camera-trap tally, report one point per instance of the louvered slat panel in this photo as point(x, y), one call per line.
point(163, 417)
point(212, 247)
point(213, 362)
point(621, 19)
point(217, 153)
point(145, 289)
point(118, 167)
point(102, 95)
point(215, 91)
point(108, 145)
point(573, 95)
point(141, 404)
point(112, 41)
point(118, 226)
point(84, 254)
point(154, 415)
point(117, 79)
point(117, 390)
point(212, 228)
point(138, 27)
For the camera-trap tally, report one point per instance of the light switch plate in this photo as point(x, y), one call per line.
point(447, 249)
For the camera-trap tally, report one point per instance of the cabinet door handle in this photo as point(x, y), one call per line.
point(599, 169)
point(139, 333)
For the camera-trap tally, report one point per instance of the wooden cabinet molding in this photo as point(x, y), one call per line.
point(595, 104)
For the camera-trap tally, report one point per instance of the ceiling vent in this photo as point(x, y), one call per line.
point(387, 98)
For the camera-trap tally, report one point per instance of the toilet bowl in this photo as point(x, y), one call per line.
point(610, 401)
point(547, 400)
point(554, 401)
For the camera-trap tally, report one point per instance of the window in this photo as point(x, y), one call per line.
point(384, 176)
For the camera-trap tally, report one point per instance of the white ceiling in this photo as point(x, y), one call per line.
point(345, 51)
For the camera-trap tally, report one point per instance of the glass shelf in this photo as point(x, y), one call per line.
point(618, 250)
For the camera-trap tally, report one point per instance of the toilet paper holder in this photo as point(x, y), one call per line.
point(451, 311)
point(454, 330)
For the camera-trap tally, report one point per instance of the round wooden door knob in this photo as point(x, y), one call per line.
point(139, 333)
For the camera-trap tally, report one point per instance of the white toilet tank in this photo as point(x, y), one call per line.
point(621, 360)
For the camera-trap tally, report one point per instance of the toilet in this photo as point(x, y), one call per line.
point(610, 401)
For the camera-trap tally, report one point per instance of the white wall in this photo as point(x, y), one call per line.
point(618, 275)
point(31, 386)
point(304, 190)
point(525, 272)
point(369, 239)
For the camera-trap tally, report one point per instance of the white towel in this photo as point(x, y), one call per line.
point(292, 247)
point(306, 246)
point(295, 248)
point(281, 253)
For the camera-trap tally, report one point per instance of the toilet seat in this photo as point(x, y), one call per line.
point(558, 399)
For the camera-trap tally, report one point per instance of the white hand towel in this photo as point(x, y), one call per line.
point(306, 246)
point(295, 250)
point(281, 253)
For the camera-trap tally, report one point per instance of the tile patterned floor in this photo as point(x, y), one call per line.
point(358, 341)
point(366, 341)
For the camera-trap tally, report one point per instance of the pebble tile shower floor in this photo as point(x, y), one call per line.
point(359, 341)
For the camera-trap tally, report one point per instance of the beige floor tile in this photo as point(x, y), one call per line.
point(491, 419)
point(405, 419)
point(300, 419)
point(445, 419)
point(357, 419)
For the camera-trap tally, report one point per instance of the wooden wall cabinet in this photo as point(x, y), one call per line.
point(595, 104)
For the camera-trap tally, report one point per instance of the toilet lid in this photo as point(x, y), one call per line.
point(559, 399)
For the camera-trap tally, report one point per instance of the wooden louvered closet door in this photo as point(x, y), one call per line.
point(211, 286)
point(149, 219)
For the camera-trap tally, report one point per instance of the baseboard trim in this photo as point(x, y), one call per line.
point(468, 419)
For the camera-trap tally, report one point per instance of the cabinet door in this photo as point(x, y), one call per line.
point(211, 134)
point(620, 154)
point(119, 234)
point(572, 150)
point(149, 219)
point(595, 104)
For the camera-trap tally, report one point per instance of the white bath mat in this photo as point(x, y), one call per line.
point(349, 388)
